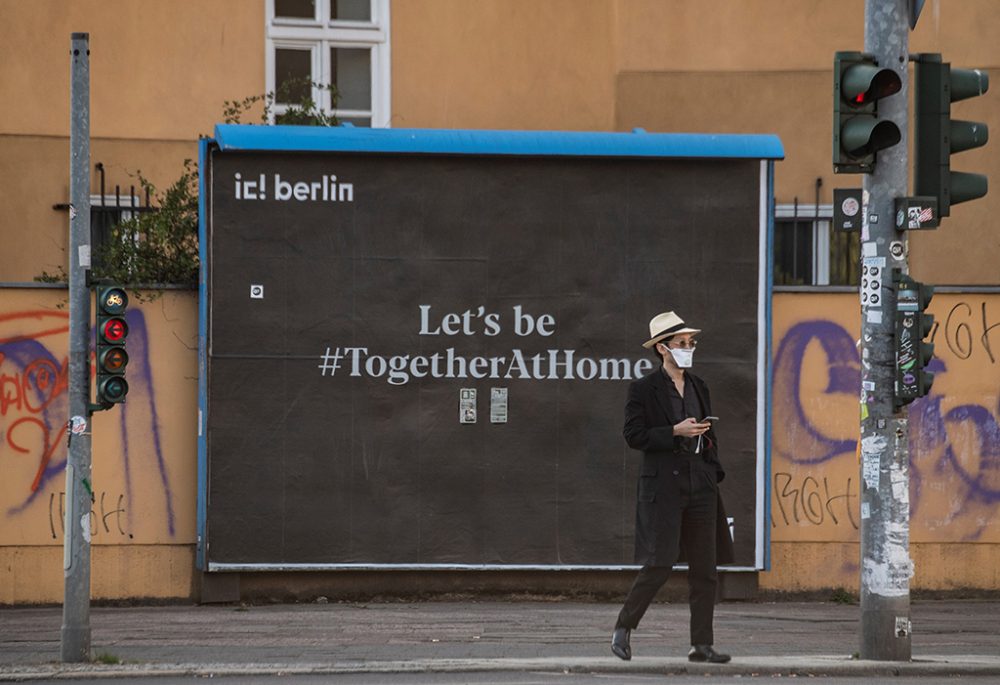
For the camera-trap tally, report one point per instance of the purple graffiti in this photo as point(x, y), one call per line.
point(976, 489)
point(927, 435)
point(984, 484)
point(844, 378)
point(33, 393)
point(33, 399)
point(932, 455)
point(140, 401)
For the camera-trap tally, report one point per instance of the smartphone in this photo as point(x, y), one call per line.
point(710, 418)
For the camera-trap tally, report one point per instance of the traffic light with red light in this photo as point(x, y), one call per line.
point(858, 133)
point(112, 330)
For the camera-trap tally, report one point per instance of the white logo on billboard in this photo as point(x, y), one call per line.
point(326, 188)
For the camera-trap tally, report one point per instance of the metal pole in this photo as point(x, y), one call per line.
point(76, 543)
point(885, 512)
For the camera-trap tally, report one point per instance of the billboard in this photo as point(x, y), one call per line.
point(417, 344)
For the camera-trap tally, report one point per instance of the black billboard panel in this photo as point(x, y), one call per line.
point(417, 354)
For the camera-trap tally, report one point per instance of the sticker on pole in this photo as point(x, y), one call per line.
point(78, 425)
point(847, 209)
point(916, 213)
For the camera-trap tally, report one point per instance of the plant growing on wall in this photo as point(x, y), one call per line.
point(157, 248)
point(302, 110)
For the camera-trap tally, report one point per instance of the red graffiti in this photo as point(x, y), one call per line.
point(33, 389)
point(48, 450)
point(27, 393)
point(40, 316)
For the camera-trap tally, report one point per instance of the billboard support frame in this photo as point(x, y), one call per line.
point(522, 144)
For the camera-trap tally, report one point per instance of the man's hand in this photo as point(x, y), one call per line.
point(690, 428)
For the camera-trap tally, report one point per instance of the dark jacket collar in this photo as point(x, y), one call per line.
point(660, 381)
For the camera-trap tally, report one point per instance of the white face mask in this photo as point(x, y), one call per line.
point(683, 356)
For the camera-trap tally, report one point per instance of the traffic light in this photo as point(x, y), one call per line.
point(938, 136)
point(913, 324)
point(110, 350)
point(858, 133)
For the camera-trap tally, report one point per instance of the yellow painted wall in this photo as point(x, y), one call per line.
point(34, 574)
point(505, 64)
point(36, 233)
point(721, 35)
point(954, 446)
point(159, 70)
point(144, 452)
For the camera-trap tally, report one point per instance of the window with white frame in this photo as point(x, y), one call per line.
point(807, 251)
point(340, 43)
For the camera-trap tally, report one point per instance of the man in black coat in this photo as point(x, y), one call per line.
point(678, 507)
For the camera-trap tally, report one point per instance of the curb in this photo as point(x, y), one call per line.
point(742, 666)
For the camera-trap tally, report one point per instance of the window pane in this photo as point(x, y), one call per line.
point(793, 252)
point(845, 258)
point(296, 9)
point(292, 74)
point(351, 10)
point(352, 76)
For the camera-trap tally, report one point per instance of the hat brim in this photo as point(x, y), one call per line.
point(649, 343)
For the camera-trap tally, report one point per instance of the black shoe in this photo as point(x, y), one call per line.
point(619, 643)
point(706, 653)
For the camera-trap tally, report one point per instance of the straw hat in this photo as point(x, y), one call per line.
point(666, 325)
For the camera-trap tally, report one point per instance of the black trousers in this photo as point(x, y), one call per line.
point(698, 505)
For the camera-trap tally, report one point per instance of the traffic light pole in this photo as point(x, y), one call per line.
point(885, 514)
point(75, 633)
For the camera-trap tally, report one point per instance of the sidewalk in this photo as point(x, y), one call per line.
point(949, 638)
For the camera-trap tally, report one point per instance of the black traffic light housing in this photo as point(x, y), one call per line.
point(913, 324)
point(858, 134)
point(112, 330)
point(937, 136)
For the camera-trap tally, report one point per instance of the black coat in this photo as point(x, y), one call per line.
point(649, 428)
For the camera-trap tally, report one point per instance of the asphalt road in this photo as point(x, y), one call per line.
point(506, 678)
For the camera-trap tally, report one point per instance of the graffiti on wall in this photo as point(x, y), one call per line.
point(954, 431)
point(34, 411)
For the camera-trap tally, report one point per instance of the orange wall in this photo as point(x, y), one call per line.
point(506, 64)
point(954, 445)
point(160, 74)
point(36, 233)
point(158, 70)
point(144, 452)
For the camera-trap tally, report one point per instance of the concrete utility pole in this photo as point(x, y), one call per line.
point(79, 491)
point(885, 508)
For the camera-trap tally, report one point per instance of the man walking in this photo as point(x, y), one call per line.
point(667, 418)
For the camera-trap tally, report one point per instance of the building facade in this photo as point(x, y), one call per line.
point(161, 76)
